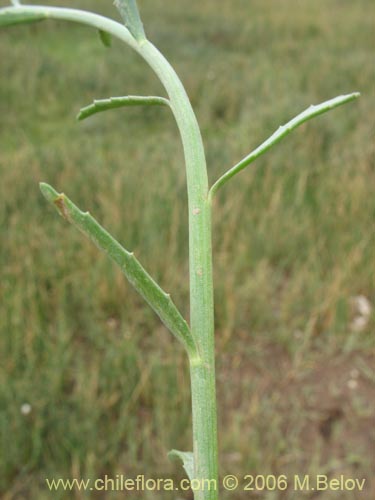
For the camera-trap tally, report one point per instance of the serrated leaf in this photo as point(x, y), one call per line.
point(187, 459)
point(105, 38)
point(10, 16)
point(130, 14)
point(137, 276)
point(118, 102)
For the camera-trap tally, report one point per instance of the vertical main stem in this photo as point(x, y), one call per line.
point(202, 367)
point(202, 370)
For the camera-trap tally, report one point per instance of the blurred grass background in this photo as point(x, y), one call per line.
point(293, 245)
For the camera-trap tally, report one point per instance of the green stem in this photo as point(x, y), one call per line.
point(202, 369)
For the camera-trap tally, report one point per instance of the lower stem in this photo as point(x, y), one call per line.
point(202, 368)
point(204, 431)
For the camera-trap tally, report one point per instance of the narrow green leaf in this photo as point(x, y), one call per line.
point(129, 265)
point(118, 102)
point(282, 132)
point(130, 14)
point(105, 38)
point(11, 16)
point(187, 459)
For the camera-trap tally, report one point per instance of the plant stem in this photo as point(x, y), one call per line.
point(202, 368)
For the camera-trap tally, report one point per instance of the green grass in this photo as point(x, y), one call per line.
point(79, 345)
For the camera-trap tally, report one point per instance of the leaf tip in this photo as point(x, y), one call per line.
point(105, 38)
point(48, 192)
point(187, 459)
point(57, 199)
point(350, 97)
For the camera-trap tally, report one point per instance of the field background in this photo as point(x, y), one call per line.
point(294, 245)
